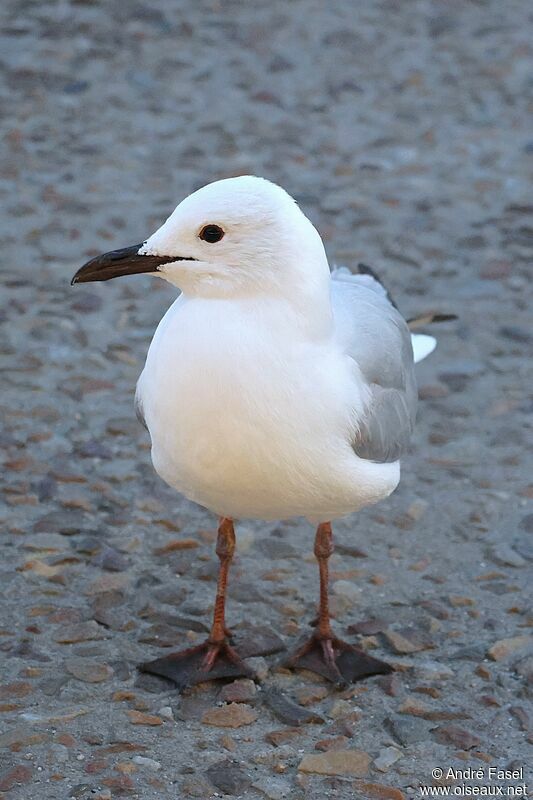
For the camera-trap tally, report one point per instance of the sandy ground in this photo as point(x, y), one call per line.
point(402, 129)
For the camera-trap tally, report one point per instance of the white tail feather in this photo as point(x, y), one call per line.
point(423, 345)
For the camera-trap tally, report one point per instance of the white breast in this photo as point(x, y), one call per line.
point(252, 420)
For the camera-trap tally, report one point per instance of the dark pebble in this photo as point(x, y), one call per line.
point(110, 559)
point(459, 737)
point(368, 627)
point(153, 683)
point(527, 523)
point(408, 731)
point(275, 548)
point(65, 522)
point(228, 777)
point(255, 640)
point(287, 710)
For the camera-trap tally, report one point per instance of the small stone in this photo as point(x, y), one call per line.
point(405, 642)
point(117, 747)
point(14, 776)
point(506, 649)
point(348, 590)
point(386, 758)
point(45, 542)
point(259, 667)
point(88, 671)
point(523, 545)
point(526, 523)
point(161, 635)
point(391, 684)
point(524, 667)
point(349, 550)
point(460, 601)
point(433, 671)
point(65, 522)
point(79, 791)
point(287, 710)
point(66, 715)
point(483, 672)
point(149, 763)
point(21, 737)
point(12, 690)
point(273, 547)
point(453, 734)
point(417, 509)
point(119, 785)
point(378, 791)
point(431, 691)
point(256, 640)
point(166, 713)
point(504, 554)
point(140, 718)
point(336, 762)
point(435, 609)
point(228, 777)
point(522, 716)
point(277, 758)
point(110, 559)
point(96, 766)
point(408, 730)
point(42, 569)
point(108, 583)
point(240, 691)
point(80, 632)
point(197, 787)
point(469, 652)
point(414, 707)
point(176, 545)
point(345, 726)
point(278, 738)
point(311, 694)
point(340, 708)
point(86, 302)
point(273, 788)
point(227, 742)
point(335, 743)
point(234, 715)
point(368, 627)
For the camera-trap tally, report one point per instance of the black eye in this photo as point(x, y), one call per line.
point(211, 233)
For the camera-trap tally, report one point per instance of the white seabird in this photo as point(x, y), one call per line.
point(272, 388)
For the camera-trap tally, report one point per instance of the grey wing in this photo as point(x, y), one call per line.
point(376, 336)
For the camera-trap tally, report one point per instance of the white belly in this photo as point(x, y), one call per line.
point(254, 425)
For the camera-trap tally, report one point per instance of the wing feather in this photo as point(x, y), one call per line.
point(377, 337)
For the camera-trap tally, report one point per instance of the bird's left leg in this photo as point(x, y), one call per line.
point(324, 653)
point(215, 658)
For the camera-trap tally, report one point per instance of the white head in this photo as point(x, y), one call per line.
point(235, 237)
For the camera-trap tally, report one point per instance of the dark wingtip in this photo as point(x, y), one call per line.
point(444, 317)
point(428, 318)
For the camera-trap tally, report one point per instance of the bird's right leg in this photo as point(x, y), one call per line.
point(214, 658)
point(324, 653)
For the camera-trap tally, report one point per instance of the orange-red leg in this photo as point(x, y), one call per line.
point(214, 658)
point(324, 653)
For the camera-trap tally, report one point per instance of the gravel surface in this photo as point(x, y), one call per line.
point(403, 131)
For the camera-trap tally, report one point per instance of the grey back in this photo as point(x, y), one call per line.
point(376, 336)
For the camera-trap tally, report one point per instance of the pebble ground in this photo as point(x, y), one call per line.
point(403, 131)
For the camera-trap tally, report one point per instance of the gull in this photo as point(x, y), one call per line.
point(273, 388)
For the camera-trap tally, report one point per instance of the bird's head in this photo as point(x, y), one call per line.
point(238, 236)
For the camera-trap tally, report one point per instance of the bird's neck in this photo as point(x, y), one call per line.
point(302, 315)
